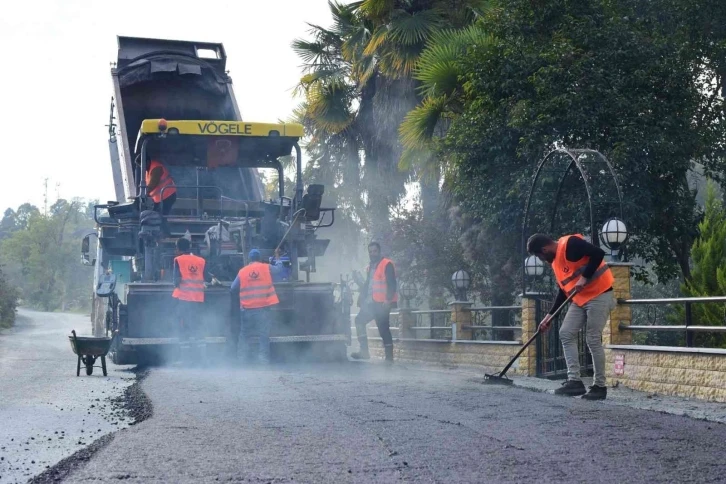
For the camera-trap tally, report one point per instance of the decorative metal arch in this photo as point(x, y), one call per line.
point(571, 172)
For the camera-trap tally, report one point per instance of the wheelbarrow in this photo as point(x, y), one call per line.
point(89, 349)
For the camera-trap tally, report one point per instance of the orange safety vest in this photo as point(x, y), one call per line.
point(380, 286)
point(568, 273)
point(165, 181)
point(255, 287)
point(191, 287)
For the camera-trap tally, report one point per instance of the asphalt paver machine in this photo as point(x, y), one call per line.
point(174, 102)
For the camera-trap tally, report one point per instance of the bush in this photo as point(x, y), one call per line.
point(8, 303)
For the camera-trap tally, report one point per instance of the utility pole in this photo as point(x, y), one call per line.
point(45, 197)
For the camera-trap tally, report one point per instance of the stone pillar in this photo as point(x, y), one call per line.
point(406, 321)
point(461, 315)
point(612, 335)
point(528, 359)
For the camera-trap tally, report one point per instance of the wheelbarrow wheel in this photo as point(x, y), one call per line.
point(90, 360)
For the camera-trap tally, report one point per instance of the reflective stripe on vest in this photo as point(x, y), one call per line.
point(379, 284)
point(164, 181)
point(568, 273)
point(191, 269)
point(255, 287)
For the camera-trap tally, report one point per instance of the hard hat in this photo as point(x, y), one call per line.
point(254, 254)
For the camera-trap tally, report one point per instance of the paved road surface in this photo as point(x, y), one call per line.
point(361, 422)
point(46, 412)
point(354, 422)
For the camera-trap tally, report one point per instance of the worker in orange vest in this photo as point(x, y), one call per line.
point(257, 297)
point(190, 274)
point(580, 269)
point(377, 296)
point(159, 179)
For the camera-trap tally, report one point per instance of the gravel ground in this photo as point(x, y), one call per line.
point(46, 412)
point(136, 405)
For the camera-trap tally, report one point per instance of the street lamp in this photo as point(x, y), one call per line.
point(614, 234)
point(408, 291)
point(533, 266)
point(460, 280)
point(533, 269)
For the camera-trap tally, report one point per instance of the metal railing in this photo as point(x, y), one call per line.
point(437, 322)
point(688, 329)
point(485, 314)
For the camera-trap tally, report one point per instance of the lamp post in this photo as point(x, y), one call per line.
point(460, 280)
point(408, 291)
point(614, 234)
point(533, 267)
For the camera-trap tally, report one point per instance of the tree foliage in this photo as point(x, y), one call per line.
point(619, 77)
point(40, 254)
point(708, 277)
point(8, 302)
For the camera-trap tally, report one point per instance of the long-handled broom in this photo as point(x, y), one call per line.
point(503, 380)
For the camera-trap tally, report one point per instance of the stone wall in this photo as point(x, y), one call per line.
point(491, 357)
point(686, 372)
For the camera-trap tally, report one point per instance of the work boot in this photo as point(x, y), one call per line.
point(389, 353)
point(596, 392)
point(363, 353)
point(571, 388)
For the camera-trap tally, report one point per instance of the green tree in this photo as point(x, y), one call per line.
point(618, 77)
point(708, 277)
point(8, 302)
point(359, 85)
point(41, 259)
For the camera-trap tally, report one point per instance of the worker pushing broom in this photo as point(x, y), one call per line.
point(585, 279)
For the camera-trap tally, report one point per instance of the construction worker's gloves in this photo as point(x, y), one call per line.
point(215, 282)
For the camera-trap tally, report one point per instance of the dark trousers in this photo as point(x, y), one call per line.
point(382, 314)
point(165, 206)
point(188, 318)
point(256, 323)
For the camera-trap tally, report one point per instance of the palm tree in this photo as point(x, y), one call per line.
point(405, 33)
point(359, 85)
point(340, 112)
point(440, 85)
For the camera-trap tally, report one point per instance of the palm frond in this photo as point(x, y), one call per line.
point(329, 106)
point(399, 61)
point(378, 39)
point(364, 69)
point(355, 43)
point(309, 51)
point(438, 64)
point(414, 28)
point(345, 17)
point(377, 9)
point(419, 126)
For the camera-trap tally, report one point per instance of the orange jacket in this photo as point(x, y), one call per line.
point(380, 286)
point(255, 287)
point(568, 273)
point(191, 287)
point(165, 181)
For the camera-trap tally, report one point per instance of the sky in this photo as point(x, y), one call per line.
point(56, 84)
